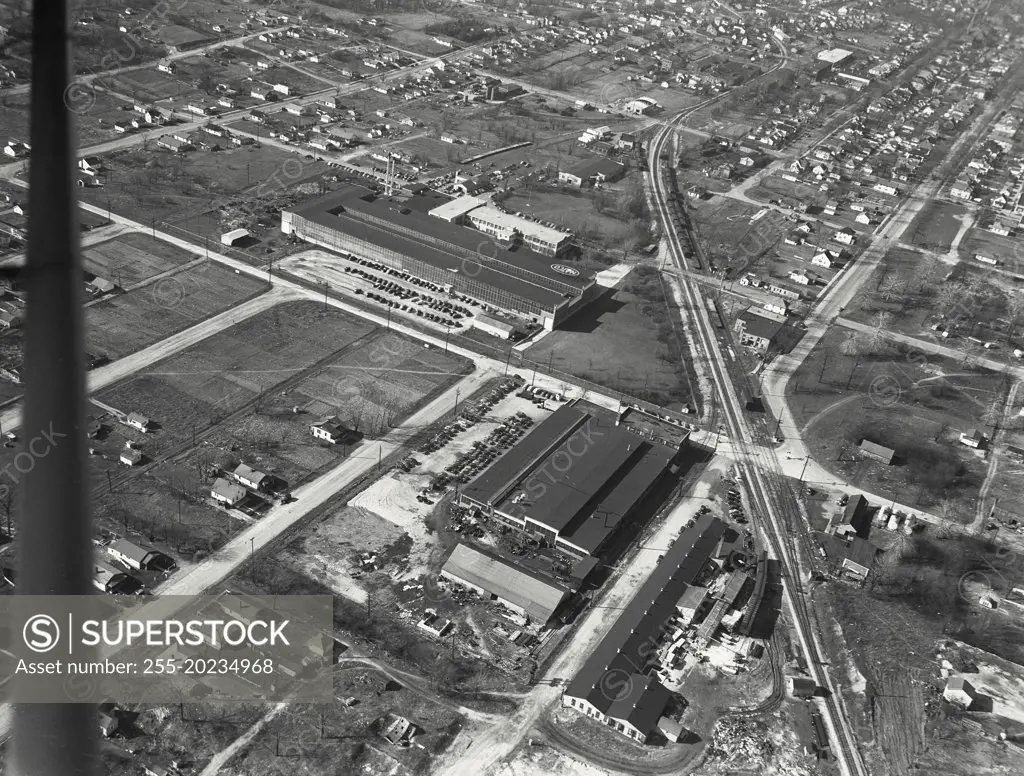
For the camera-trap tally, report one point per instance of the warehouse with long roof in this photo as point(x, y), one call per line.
point(574, 481)
point(615, 685)
point(418, 235)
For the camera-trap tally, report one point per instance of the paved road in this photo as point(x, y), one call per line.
point(488, 747)
point(362, 460)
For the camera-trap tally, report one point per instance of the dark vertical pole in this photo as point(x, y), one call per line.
point(56, 547)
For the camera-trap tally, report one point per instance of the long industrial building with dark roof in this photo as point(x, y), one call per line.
point(410, 234)
point(616, 684)
point(573, 481)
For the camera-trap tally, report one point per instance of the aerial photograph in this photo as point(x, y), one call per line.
point(638, 382)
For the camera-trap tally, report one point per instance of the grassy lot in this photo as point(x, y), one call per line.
point(190, 733)
point(730, 238)
point(126, 323)
point(95, 111)
point(936, 226)
point(370, 388)
point(774, 187)
point(133, 258)
point(613, 217)
point(914, 290)
point(914, 602)
point(916, 405)
point(312, 738)
point(151, 85)
point(625, 341)
point(177, 35)
point(1005, 250)
point(154, 184)
point(905, 286)
point(198, 387)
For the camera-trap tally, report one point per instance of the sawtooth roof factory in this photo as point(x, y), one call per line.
point(465, 245)
point(573, 481)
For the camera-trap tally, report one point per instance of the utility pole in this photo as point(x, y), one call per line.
point(807, 460)
point(380, 456)
point(455, 411)
point(507, 359)
point(152, 224)
point(447, 333)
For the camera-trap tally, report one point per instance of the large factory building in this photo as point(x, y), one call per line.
point(406, 234)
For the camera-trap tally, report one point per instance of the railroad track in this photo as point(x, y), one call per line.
point(773, 501)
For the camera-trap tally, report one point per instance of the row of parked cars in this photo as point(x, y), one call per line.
point(484, 453)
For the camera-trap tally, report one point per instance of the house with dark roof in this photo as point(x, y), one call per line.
point(758, 328)
point(331, 430)
point(878, 452)
point(250, 478)
point(851, 556)
point(139, 557)
point(855, 519)
point(617, 684)
point(596, 170)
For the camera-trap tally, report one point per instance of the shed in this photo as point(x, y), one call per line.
point(234, 236)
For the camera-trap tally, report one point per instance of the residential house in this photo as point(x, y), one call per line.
point(758, 329)
point(846, 236)
point(137, 421)
point(251, 478)
point(855, 519)
point(801, 687)
point(330, 430)
point(139, 557)
point(228, 493)
point(974, 438)
point(597, 170)
point(131, 457)
point(826, 259)
point(960, 692)
point(851, 556)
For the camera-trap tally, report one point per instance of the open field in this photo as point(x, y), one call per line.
point(191, 733)
point(370, 388)
point(151, 85)
point(898, 631)
point(915, 405)
point(128, 322)
point(911, 292)
point(133, 258)
point(96, 114)
point(626, 341)
point(611, 216)
point(790, 192)
point(153, 185)
point(730, 238)
point(1005, 250)
point(198, 387)
point(178, 35)
point(936, 226)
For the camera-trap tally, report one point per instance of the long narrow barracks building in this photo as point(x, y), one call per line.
point(402, 233)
